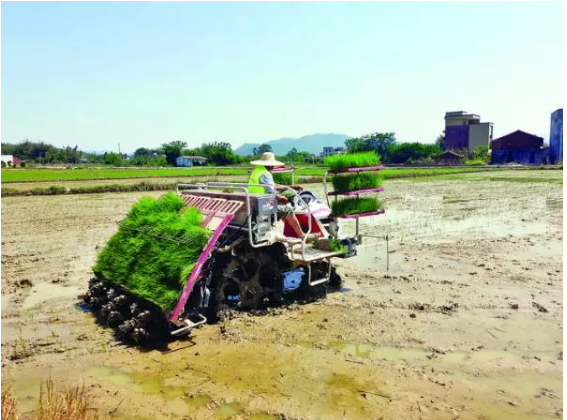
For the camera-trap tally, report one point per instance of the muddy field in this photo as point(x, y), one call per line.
point(461, 318)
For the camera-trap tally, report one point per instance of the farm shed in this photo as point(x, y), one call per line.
point(190, 161)
point(450, 158)
point(519, 147)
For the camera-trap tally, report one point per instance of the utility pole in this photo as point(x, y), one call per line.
point(120, 153)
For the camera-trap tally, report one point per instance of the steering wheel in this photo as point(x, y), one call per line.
point(307, 196)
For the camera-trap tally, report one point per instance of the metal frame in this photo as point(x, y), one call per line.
point(243, 187)
point(357, 234)
point(189, 325)
point(285, 170)
point(319, 281)
point(196, 272)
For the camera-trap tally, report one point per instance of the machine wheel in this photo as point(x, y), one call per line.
point(133, 320)
point(248, 280)
point(336, 281)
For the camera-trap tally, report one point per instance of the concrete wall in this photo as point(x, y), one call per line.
point(556, 136)
point(456, 137)
point(460, 119)
point(479, 135)
point(455, 121)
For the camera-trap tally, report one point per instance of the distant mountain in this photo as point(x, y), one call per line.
point(312, 143)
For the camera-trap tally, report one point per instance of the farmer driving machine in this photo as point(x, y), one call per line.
point(209, 249)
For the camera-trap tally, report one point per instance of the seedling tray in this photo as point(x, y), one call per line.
point(351, 193)
point(364, 169)
point(356, 216)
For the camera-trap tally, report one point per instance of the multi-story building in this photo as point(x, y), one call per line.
point(556, 136)
point(465, 131)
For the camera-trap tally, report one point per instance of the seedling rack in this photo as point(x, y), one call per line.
point(357, 192)
point(283, 169)
point(354, 193)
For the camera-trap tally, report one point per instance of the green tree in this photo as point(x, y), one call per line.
point(406, 152)
point(113, 159)
point(42, 152)
point(440, 141)
point(71, 154)
point(291, 156)
point(263, 148)
point(94, 158)
point(142, 151)
point(218, 153)
point(355, 145)
point(379, 142)
point(8, 148)
point(29, 150)
point(239, 159)
point(295, 157)
point(192, 152)
point(172, 150)
point(481, 153)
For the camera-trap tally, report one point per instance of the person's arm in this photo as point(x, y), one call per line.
point(281, 198)
point(268, 180)
point(293, 187)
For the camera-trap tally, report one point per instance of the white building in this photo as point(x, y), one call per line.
point(7, 159)
point(190, 160)
point(327, 151)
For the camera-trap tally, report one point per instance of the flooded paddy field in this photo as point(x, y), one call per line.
point(452, 309)
point(70, 184)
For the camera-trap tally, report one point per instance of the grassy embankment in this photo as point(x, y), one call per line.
point(303, 175)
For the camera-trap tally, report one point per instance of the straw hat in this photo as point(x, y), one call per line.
point(267, 159)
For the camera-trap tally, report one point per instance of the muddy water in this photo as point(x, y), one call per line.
point(447, 324)
point(45, 291)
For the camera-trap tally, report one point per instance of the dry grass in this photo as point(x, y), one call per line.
point(72, 403)
point(9, 406)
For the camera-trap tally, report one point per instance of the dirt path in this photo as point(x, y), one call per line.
point(466, 323)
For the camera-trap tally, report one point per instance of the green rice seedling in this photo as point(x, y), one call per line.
point(336, 245)
point(154, 250)
point(331, 244)
point(357, 181)
point(355, 205)
point(283, 178)
point(338, 163)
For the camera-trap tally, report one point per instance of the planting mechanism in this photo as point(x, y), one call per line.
point(247, 264)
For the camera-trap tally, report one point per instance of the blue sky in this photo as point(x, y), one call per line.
point(139, 74)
